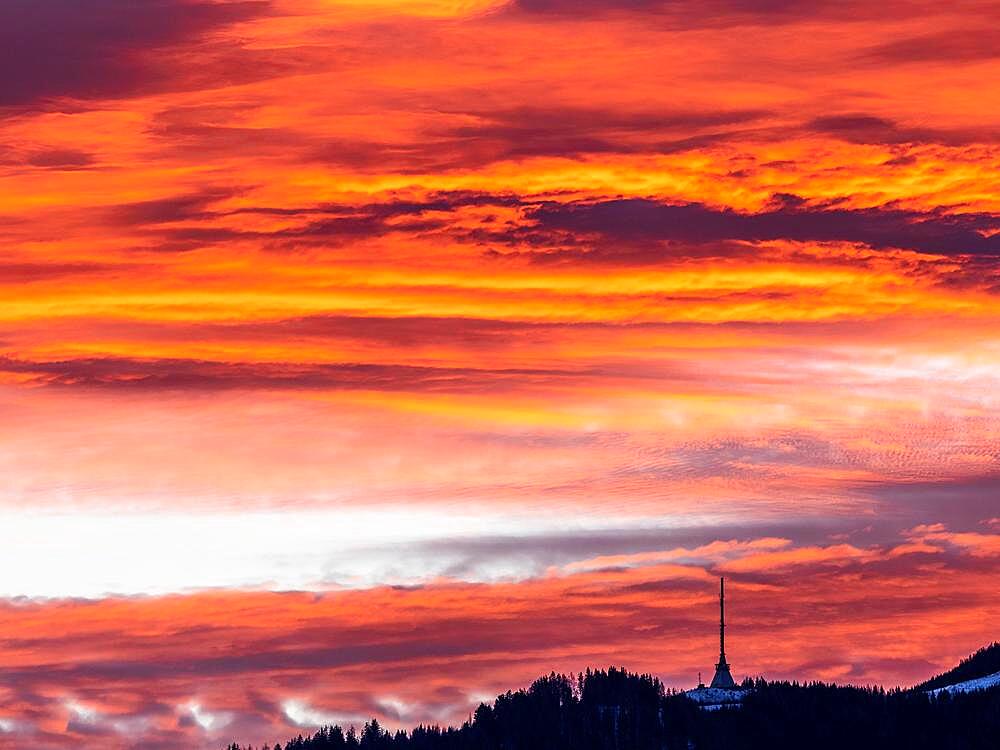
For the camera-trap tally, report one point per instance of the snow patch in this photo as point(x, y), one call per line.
point(712, 699)
point(980, 683)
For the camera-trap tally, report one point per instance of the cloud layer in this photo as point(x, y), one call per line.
point(205, 668)
point(347, 346)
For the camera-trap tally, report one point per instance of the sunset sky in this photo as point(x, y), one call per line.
point(372, 357)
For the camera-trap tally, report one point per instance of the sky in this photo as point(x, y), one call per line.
point(373, 357)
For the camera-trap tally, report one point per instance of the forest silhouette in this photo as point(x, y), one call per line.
point(613, 709)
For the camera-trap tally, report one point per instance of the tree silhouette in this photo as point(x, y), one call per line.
point(615, 710)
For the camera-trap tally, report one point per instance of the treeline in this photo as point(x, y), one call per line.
point(984, 662)
point(615, 710)
point(829, 717)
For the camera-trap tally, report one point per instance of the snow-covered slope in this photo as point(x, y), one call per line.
point(980, 683)
point(715, 697)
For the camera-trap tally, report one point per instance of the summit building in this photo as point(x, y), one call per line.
point(723, 692)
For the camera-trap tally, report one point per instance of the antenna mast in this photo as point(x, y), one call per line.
point(723, 677)
point(722, 620)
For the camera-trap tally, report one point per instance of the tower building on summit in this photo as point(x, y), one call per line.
point(723, 677)
point(723, 692)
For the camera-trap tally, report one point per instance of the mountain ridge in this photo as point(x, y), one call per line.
point(614, 709)
point(983, 663)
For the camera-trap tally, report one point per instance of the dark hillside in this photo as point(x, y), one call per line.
point(615, 710)
point(984, 662)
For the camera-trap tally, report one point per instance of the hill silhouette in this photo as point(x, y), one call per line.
point(984, 662)
point(613, 709)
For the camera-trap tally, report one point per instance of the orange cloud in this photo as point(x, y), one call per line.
point(973, 543)
point(204, 667)
point(539, 341)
